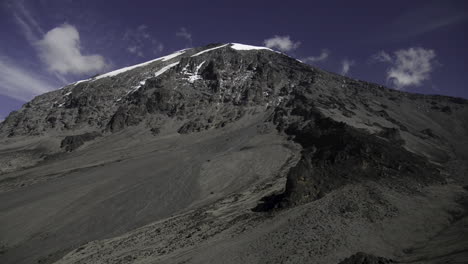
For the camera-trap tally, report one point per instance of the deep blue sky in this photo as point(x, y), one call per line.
point(417, 46)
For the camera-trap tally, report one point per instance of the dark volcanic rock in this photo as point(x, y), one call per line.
point(363, 258)
point(191, 126)
point(335, 154)
point(392, 134)
point(155, 131)
point(70, 143)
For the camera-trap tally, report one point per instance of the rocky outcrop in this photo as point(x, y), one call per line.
point(363, 258)
point(70, 143)
point(336, 154)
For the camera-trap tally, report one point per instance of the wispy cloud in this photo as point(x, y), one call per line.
point(323, 56)
point(431, 16)
point(140, 41)
point(135, 50)
point(29, 25)
point(408, 67)
point(20, 83)
point(282, 43)
point(183, 33)
point(346, 66)
point(60, 50)
point(382, 56)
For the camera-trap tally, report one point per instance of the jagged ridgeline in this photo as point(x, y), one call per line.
point(181, 158)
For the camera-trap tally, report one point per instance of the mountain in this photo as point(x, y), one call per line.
point(236, 154)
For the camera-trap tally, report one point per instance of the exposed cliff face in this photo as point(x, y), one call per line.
point(335, 154)
point(207, 134)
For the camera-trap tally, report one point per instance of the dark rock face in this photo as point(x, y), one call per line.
point(71, 143)
point(125, 116)
point(363, 258)
point(335, 154)
point(192, 126)
point(230, 84)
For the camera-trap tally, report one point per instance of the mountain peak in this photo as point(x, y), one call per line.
point(204, 49)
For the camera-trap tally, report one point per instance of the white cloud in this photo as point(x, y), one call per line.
point(60, 50)
point(183, 33)
point(323, 56)
point(410, 67)
point(282, 43)
point(346, 66)
point(20, 83)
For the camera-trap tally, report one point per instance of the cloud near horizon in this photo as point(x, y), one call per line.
point(282, 43)
point(346, 66)
point(19, 83)
point(323, 56)
point(409, 67)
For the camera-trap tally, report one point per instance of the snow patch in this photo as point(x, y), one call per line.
point(192, 76)
point(238, 46)
point(199, 66)
point(164, 69)
point(173, 55)
point(156, 74)
point(208, 50)
point(76, 83)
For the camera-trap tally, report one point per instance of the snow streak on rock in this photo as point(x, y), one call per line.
point(191, 77)
point(119, 71)
point(208, 50)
